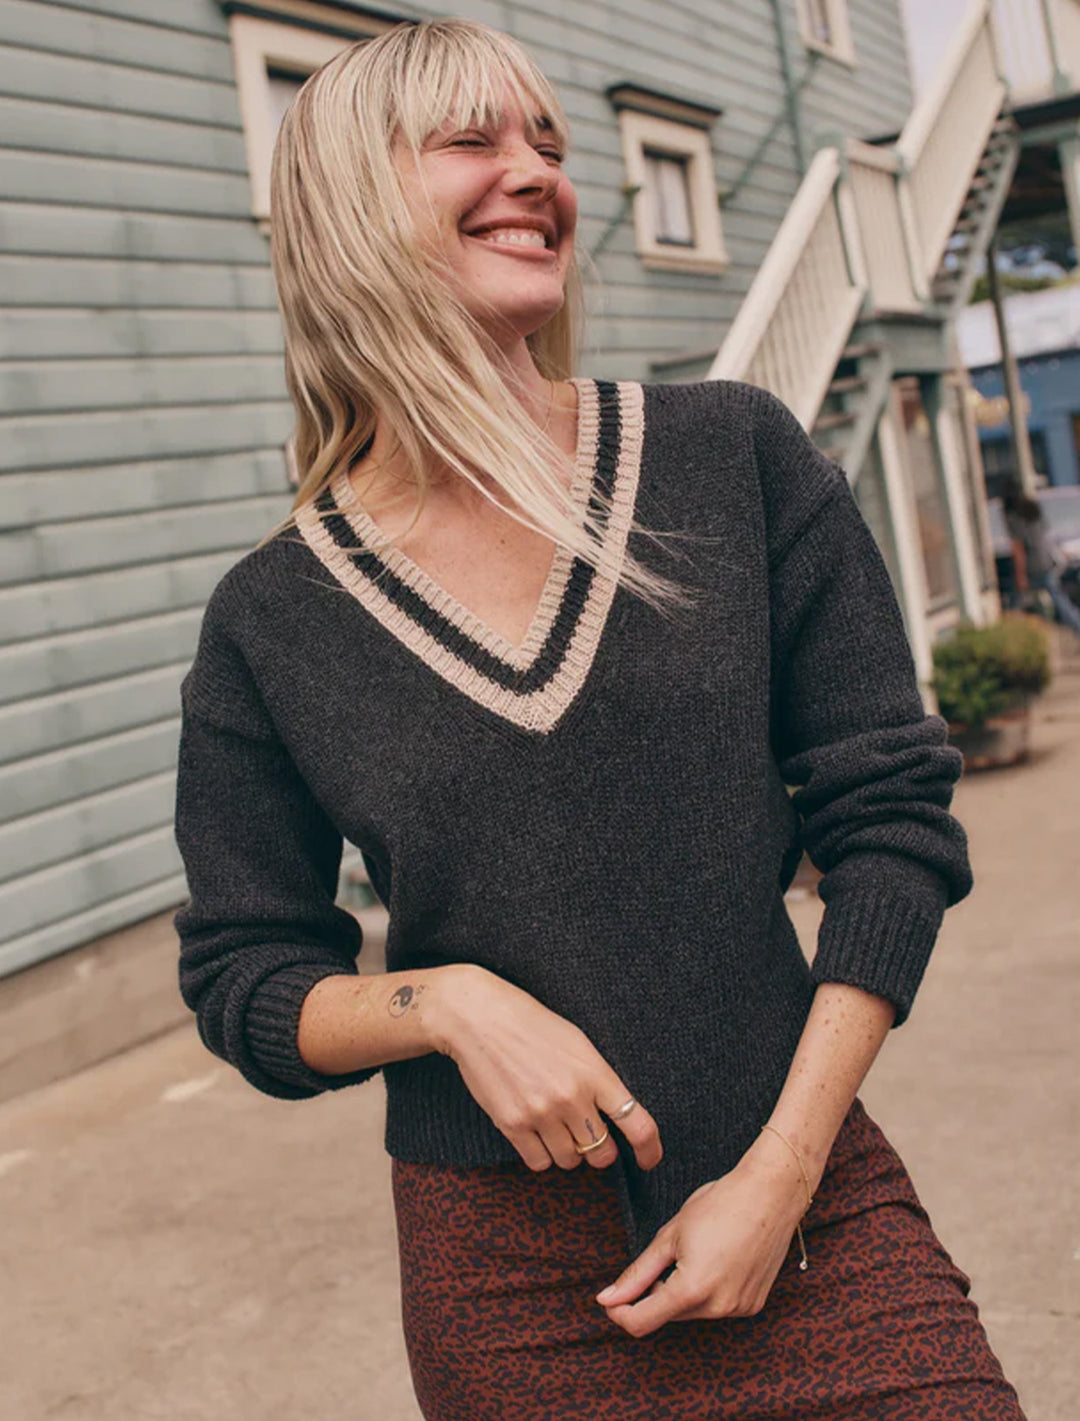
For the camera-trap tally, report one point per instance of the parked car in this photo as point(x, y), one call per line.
point(1061, 509)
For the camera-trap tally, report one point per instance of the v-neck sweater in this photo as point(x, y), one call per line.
point(607, 815)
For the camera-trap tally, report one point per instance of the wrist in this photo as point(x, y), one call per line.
point(777, 1154)
point(445, 1008)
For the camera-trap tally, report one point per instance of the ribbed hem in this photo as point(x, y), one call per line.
point(272, 1023)
point(879, 928)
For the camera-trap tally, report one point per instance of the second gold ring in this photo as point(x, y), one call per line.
point(584, 1149)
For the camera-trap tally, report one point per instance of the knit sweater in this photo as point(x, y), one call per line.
point(607, 815)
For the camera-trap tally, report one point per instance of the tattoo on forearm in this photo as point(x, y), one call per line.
point(404, 999)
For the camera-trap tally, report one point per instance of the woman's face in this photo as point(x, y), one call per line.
point(494, 202)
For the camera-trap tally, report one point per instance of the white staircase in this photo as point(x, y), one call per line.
point(879, 231)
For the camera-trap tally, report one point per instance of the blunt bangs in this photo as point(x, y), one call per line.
point(462, 79)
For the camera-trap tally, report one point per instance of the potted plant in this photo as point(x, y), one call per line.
point(985, 679)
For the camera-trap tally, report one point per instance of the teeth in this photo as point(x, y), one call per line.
point(514, 237)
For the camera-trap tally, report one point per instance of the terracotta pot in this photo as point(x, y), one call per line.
point(1002, 740)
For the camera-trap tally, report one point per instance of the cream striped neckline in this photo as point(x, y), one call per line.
point(531, 685)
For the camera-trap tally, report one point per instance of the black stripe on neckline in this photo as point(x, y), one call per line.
point(545, 665)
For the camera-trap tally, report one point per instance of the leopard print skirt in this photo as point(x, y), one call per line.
point(500, 1265)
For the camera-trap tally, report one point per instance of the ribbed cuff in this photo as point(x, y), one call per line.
point(882, 917)
point(272, 1024)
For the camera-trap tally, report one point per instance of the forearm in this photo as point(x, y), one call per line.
point(843, 1034)
point(348, 1023)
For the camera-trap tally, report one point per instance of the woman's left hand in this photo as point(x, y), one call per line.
point(727, 1243)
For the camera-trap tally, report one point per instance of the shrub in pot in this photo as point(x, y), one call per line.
point(985, 679)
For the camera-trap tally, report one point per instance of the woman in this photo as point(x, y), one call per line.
point(1037, 558)
point(548, 650)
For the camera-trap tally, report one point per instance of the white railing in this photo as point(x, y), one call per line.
point(946, 134)
point(872, 173)
point(1065, 19)
point(1038, 40)
point(869, 227)
point(797, 316)
point(1024, 45)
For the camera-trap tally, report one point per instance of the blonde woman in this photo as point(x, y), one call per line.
point(548, 650)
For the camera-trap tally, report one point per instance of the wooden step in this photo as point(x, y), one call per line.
point(860, 350)
point(834, 421)
point(847, 383)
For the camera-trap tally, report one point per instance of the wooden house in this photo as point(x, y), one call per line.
point(761, 198)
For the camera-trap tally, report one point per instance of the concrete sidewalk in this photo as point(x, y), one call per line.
point(178, 1247)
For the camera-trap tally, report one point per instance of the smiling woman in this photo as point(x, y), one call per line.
point(621, 1107)
point(441, 311)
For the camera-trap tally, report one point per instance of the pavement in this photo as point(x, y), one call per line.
point(178, 1247)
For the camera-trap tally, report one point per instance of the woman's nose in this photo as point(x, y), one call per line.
point(527, 169)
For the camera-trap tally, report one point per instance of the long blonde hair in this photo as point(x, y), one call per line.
point(373, 330)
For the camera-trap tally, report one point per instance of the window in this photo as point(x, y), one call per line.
point(999, 463)
point(668, 186)
point(825, 26)
point(281, 88)
point(670, 173)
point(272, 59)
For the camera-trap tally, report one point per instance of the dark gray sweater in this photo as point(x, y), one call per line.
point(599, 815)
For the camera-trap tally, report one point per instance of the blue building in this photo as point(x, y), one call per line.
point(1044, 331)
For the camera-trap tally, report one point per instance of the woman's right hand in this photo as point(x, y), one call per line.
point(538, 1076)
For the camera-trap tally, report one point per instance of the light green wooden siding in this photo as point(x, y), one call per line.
point(141, 396)
point(143, 417)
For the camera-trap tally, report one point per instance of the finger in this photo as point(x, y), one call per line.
point(668, 1302)
point(588, 1131)
point(531, 1148)
point(559, 1143)
point(645, 1269)
point(639, 1127)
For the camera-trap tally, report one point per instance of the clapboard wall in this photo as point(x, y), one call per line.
point(142, 405)
point(141, 441)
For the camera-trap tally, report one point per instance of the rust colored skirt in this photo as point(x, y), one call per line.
point(500, 1265)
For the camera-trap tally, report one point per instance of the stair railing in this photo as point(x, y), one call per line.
point(1065, 21)
point(874, 175)
point(1039, 43)
point(867, 228)
point(793, 325)
point(944, 139)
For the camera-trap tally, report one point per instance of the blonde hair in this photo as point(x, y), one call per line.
point(373, 330)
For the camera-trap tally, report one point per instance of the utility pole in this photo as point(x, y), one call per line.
point(1023, 470)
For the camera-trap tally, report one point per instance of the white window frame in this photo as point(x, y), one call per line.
point(842, 47)
point(258, 46)
point(643, 132)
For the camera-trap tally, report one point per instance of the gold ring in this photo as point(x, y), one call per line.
point(624, 1110)
point(584, 1149)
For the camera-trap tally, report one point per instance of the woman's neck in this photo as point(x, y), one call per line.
point(384, 475)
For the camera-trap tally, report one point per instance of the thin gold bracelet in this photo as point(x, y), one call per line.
point(804, 1262)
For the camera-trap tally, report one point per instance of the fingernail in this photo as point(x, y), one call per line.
point(606, 1293)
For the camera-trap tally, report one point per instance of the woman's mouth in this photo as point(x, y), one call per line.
point(514, 237)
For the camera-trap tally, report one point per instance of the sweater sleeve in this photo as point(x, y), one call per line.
point(874, 773)
point(262, 862)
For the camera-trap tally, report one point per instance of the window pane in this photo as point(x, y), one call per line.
point(999, 463)
point(817, 15)
point(283, 89)
point(668, 180)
